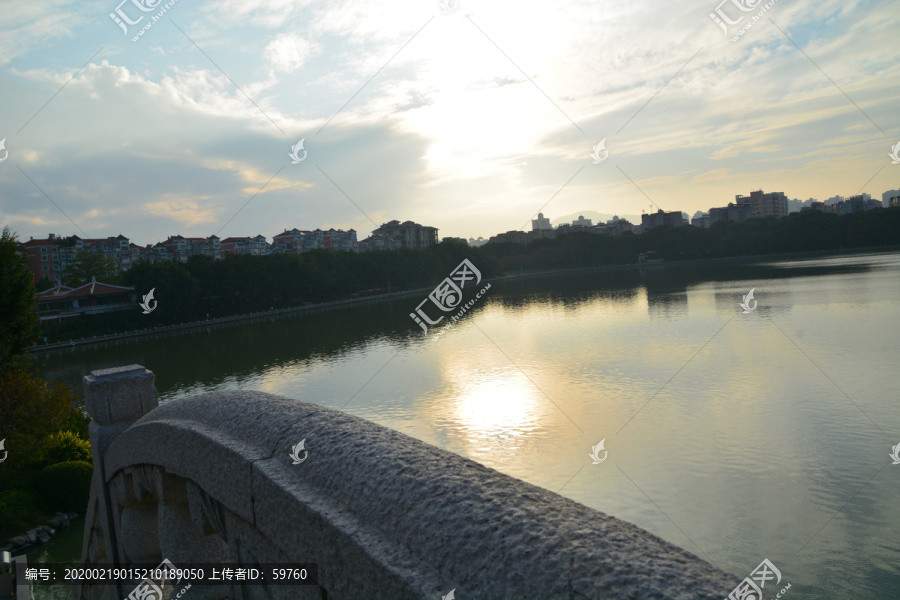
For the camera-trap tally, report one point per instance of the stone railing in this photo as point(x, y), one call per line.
point(208, 479)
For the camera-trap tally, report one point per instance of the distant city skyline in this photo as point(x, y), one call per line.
point(794, 205)
point(456, 120)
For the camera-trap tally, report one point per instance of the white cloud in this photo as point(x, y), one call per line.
point(288, 52)
point(442, 125)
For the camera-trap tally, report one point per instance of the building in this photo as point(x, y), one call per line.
point(845, 206)
point(458, 240)
point(614, 226)
point(409, 234)
point(858, 204)
point(63, 302)
point(251, 246)
point(513, 236)
point(815, 205)
point(476, 243)
point(757, 205)
point(732, 212)
point(617, 226)
point(298, 241)
point(541, 223)
point(701, 220)
point(581, 222)
point(889, 198)
point(894, 200)
point(45, 258)
point(378, 241)
point(661, 218)
point(762, 205)
point(181, 248)
point(339, 239)
point(288, 241)
point(118, 248)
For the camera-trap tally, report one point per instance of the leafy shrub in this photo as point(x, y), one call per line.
point(65, 446)
point(32, 408)
point(66, 486)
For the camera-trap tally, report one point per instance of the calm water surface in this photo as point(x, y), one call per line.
point(736, 436)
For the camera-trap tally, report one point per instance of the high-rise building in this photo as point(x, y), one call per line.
point(660, 218)
point(541, 223)
point(773, 204)
point(732, 212)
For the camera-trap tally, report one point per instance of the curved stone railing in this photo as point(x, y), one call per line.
point(209, 478)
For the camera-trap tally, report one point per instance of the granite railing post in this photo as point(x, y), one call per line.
point(115, 399)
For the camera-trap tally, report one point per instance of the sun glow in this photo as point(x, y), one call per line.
point(503, 403)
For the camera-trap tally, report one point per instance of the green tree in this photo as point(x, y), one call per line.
point(43, 285)
point(31, 409)
point(18, 316)
point(87, 264)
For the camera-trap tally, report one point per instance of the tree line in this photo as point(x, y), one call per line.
point(798, 232)
point(204, 287)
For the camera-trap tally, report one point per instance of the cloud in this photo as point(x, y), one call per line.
point(182, 210)
point(461, 121)
point(714, 175)
point(288, 52)
point(28, 27)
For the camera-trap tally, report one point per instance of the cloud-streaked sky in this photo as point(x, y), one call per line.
point(470, 120)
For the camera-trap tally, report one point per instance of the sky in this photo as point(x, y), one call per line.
point(467, 116)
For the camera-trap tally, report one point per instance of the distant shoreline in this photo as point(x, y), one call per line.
point(323, 306)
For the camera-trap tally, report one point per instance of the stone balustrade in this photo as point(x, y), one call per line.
point(208, 478)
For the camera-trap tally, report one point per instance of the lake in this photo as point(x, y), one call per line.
point(739, 437)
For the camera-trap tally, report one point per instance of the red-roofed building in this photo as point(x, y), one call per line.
point(95, 297)
point(47, 258)
point(340, 240)
point(180, 248)
point(253, 246)
point(296, 240)
point(288, 241)
point(378, 241)
point(44, 258)
point(409, 234)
